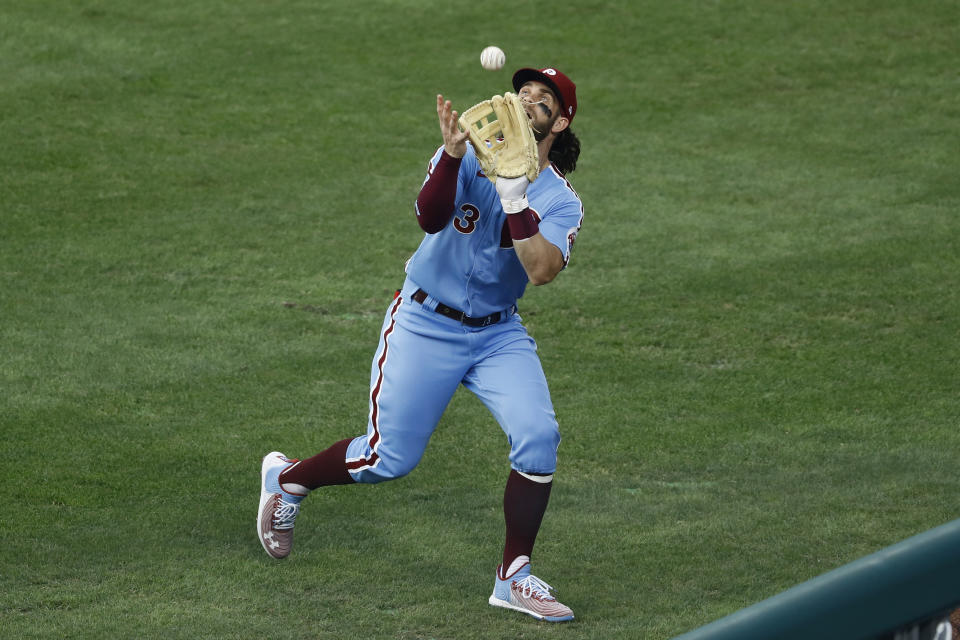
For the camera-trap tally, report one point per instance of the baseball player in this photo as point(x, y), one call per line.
point(455, 322)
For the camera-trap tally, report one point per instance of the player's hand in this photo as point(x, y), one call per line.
point(513, 193)
point(454, 140)
point(512, 188)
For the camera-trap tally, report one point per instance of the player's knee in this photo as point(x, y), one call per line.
point(533, 447)
point(393, 458)
point(537, 429)
point(392, 467)
point(400, 469)
point(382, 472)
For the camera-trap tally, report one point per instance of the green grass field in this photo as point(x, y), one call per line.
point(205, 207)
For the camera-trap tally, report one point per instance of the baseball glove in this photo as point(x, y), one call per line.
point(502, 138)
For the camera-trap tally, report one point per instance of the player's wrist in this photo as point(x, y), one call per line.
point(446, 156)
point(523, 225)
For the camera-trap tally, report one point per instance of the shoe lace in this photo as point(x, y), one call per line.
point(285, 514)
point(533, 587)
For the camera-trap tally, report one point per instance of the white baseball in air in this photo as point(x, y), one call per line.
point(492, 58)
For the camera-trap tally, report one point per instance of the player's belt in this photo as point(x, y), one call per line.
point(420, 295)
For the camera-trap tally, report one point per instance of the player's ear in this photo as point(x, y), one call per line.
point(560, 124)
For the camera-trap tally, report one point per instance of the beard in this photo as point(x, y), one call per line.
point(541, 127)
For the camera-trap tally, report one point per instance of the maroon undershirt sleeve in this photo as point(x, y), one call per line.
point(438, 194)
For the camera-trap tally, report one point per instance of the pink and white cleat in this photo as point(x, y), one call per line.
point(528, 594)
point(278, 508)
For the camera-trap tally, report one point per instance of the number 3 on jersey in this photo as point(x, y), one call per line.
point(468, 223)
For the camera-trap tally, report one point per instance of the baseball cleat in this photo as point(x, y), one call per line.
point(528, 594)
point(278, 508)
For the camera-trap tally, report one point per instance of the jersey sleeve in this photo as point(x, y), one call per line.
point(561, 223)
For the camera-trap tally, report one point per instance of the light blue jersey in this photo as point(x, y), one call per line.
point(471, 265)
point(424, 356)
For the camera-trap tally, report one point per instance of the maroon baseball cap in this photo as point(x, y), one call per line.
point(557, 81)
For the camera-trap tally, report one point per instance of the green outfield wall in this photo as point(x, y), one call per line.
point(903, 584)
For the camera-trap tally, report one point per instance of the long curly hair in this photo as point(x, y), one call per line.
point(565, 151)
